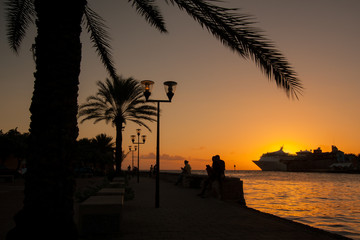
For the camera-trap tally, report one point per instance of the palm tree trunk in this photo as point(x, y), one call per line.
point(118, 148)
point(49, 187)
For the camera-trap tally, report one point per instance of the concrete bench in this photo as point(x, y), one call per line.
point(193, 181)
point(168, 177)
point(111, 191)
point(10, 177)
point(116, 185)
point(101, 215)
point(119, 179)
point(232, 189)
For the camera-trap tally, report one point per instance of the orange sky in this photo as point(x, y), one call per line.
point(223, 104)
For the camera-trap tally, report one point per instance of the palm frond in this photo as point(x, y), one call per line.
point(95, 25)
point(151, 13)
point(236, 32)
point(106, 92)
point(20, 14)
point(90, 117)
point(104, 141)
point(144, 110)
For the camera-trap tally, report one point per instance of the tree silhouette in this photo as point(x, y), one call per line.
point(117, 101)
point(49, 185)
point(96, 153)
point(13, 144)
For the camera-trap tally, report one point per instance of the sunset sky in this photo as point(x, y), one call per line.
point(223, 103)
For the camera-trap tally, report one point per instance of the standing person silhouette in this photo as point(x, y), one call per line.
point(151, 170)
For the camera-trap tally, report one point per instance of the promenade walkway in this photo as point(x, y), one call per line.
point(184, 215)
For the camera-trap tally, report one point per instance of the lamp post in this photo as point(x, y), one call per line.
point(138, 131)
point(132, 159)
point(170, 87)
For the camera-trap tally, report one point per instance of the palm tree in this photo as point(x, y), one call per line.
point(96, 153)
point(15, 144)
point(49, 186)
point(117, 101)
point(104, 145)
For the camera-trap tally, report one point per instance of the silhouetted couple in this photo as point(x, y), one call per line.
point(216, 176)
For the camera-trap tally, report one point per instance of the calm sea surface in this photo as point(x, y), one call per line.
point(322, 200)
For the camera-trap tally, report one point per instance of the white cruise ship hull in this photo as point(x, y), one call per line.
point(271, 165)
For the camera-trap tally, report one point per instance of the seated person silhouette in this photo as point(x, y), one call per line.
point(185, 171)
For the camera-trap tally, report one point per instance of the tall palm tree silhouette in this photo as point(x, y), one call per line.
point(49, 185)
point(117, 101)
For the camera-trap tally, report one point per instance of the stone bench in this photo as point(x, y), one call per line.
point(168, 177)
point(232, 189)
point(190, 181)
point(119, 179)
point(101, 215)
point(10, 177)
point(193, 181)
point(111, 192)
point(116, 185)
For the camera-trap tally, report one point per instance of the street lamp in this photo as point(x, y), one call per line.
point(132, 159)
point(143, 137)
point(170, 88)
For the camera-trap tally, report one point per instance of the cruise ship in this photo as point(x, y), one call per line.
point(274, 161)
point(309, 161)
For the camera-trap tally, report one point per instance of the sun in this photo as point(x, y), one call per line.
point(292, 149)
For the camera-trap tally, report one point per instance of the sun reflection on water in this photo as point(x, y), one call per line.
point(327, 201)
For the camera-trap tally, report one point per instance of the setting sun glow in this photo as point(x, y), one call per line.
point(223, 103)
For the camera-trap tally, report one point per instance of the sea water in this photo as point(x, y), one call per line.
point(329, 201)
